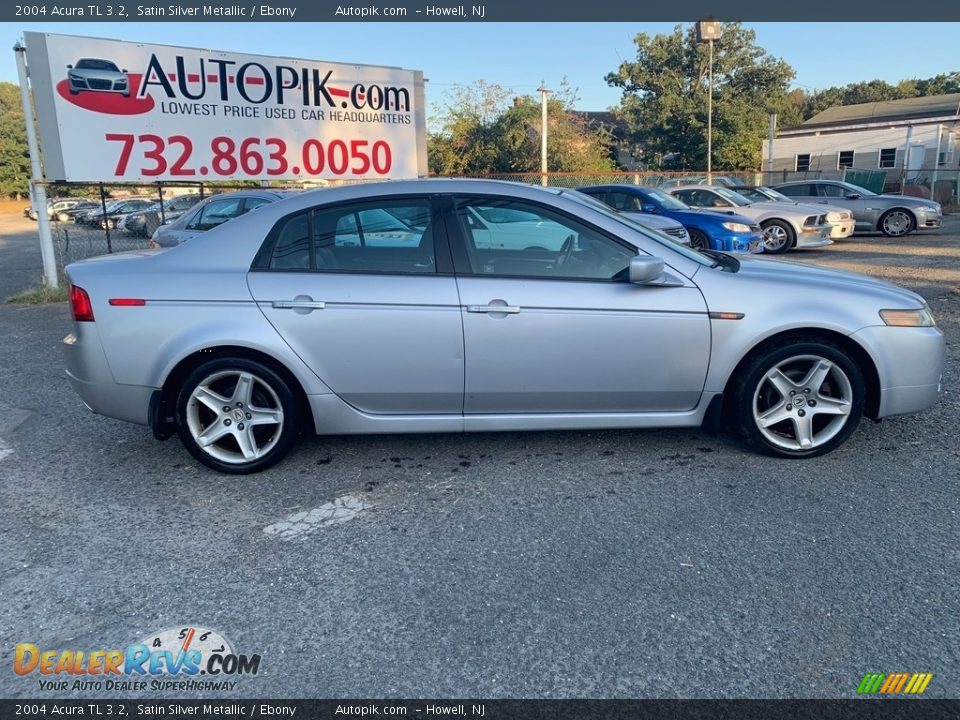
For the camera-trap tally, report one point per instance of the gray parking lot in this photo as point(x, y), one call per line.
point(579, 564)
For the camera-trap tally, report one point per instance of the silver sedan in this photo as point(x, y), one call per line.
point(893, 215)
point(381, 308)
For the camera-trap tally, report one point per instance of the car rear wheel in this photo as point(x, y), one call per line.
point(699, 241)
point(236, 415)
point(801, 399)
point(778, 237)
point(896, 222)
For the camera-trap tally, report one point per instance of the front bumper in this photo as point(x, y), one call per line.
point(842, 229)
point(739, 242)
point(814, 237)
point(910, 364)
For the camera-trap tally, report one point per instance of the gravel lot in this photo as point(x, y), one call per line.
point(578, 564)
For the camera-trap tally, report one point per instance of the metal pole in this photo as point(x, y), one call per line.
point(104, 221)
point(38, 190)
point(710, 120)
point(543, 132)
point(936, 164)
point(770, 137)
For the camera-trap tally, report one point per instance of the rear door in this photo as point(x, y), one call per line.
point(368, 301)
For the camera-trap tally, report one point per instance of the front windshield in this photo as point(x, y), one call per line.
point(666, 200)
point(659, 237)
point(774, 195)
point(734, 197)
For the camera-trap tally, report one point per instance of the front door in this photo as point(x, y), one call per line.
point(557, 328)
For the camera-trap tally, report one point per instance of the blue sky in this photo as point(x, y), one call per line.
point(520, 55)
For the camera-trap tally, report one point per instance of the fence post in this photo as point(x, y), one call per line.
point(160, 194)
point(106, 225)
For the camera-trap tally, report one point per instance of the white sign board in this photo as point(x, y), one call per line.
point(119, 111)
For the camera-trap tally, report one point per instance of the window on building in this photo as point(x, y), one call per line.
point(844, 159)
point(945, 156)
point(803, 162)
point(888, 158)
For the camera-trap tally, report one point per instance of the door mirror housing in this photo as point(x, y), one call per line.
point(853, 196)
point(645, 269)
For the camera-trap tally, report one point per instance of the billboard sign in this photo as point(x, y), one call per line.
point(118, 111)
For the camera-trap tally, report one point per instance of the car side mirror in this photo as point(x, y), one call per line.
point(124, 70)
point(645, 269)
point(69, 67)
point(648, 208)
point(854, 196)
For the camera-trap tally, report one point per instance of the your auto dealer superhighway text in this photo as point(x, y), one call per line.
point(215, 11)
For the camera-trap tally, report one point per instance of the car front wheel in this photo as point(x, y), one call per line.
point(801, 399)
point(699, 241)
point(236, 415)
point(778, 237)
point(896, 223)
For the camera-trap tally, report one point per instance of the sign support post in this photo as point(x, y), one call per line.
point(38, 188)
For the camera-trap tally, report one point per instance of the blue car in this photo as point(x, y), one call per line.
point(708, 229)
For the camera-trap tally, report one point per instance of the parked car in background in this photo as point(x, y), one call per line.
point(784, 227)
point(893, 215)
point(82, 208)
point(115, 208)
point(54, 206)
point(671, 228)
point(295, 327)
point(212, 212)
point(145, 222)
point(707, 230)
point(840, 218)
point(730, 181)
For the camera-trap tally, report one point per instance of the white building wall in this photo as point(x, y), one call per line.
point(824, 148)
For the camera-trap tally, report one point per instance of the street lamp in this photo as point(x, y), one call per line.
point(707, 32)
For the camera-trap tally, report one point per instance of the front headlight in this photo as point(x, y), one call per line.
point(736, 227)
point(908, 318)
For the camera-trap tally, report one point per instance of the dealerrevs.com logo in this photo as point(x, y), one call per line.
point(186, 658)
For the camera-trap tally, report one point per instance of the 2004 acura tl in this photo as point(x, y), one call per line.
point(392, 307)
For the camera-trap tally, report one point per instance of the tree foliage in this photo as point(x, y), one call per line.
point(482, 132)
point(665, 94)
point(879, 90)
point(14, 157)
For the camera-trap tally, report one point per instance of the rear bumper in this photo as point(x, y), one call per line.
point(90, 376)
point(910, 364)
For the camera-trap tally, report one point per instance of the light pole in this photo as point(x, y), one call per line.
point(707, 32)
point(543, 132)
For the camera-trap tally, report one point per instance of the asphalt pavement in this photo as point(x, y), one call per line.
point(534, 565)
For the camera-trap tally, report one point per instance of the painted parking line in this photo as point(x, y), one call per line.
point(304, 522)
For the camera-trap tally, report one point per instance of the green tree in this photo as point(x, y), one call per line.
point(665, 93)
point(14, 157)
point(482, 133)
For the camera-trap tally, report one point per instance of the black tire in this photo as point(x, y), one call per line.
point(268, 395)
point(778, 237)
point(698, 240)
point(896, 222)
point(775, 420)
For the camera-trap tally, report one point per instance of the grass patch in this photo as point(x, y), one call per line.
point(40, 295)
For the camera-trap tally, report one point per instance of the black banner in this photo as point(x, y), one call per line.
point(887, 709)
point(477, 11)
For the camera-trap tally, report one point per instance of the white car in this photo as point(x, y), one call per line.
point(784, 228)
point(841, 218)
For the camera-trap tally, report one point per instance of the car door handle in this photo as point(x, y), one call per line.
point(505, 309)
point(298, 305)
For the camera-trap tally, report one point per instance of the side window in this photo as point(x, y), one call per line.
point(537, 242)
point(623, 202)
point(292, 248)
point(835, 191)
point(798, 191)
point(215, 213)
point(382, 236)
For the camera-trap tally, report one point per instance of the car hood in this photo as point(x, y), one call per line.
point(812, 279)
point(97, 74)
point(693, 215)
point(907, 200)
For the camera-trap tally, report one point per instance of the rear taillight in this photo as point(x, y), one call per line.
point(80, 304)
